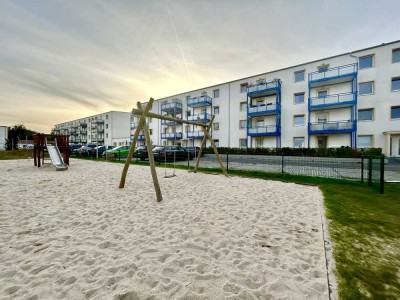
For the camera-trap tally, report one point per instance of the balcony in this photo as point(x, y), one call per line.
point(170, 123)
point(199, 101)
point(195, 135)
point(99, 121)
point(83, 141)
point(332, 127)
point(172, 107)
point(171, 136)
point(263, 109)
point(264, 88)
point(141, 138)
point(83, 132)
point(333, 101)
point(100, 130)
point(82, 124)
point(100, 140)
point(333, 75)
point(263, 130)
point(202, 118)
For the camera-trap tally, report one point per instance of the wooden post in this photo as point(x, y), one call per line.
point(135, 137)
point(151, 158)
point(216, 152)
point(202, 144)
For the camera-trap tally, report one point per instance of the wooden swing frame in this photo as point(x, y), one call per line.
point(143, 113)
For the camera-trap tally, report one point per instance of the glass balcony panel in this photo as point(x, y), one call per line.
point(336, 99)
point(333, 72)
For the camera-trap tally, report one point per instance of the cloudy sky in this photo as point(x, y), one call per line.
point(63, 60)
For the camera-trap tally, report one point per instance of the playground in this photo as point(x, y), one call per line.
point(211, 237)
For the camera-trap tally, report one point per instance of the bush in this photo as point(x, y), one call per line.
point(287, 151)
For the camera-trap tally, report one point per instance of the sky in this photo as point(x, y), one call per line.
point(69, 59)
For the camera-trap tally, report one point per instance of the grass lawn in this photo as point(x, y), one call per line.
point(364, 227)
point(16, 154)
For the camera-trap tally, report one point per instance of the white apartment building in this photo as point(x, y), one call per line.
point(351, 99)
point(3, 137)
point(110, 128)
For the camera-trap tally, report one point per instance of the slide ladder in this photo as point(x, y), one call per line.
point(56, 157)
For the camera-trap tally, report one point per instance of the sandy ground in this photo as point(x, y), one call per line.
point(75, 235)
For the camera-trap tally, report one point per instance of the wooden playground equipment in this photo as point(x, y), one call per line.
point(143, 113)
point(62, 142)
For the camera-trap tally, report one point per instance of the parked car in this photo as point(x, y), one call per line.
point(84, 150)
point(72, 148)
point(170, 153)
point(193, 150)
point(119, 151)
point(99, 149)
point(141, 152)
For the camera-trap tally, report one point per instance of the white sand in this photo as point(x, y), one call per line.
point(75, 235)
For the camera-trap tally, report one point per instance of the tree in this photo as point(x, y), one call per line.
point(15, 133)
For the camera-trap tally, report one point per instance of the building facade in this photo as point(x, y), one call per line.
point(110, 128)
point(352, 99)
point(3, 137)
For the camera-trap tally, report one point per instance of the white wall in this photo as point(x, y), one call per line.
point(3, 137)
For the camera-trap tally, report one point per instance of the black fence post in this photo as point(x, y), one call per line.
point(382, 175)
point(369, 171)
point(362, 169)
point(282, 164)
point(227, 162)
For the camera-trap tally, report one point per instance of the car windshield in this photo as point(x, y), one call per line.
point(158, 148)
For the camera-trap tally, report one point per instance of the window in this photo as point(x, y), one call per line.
point(395, 112)
point(366, 88)
point(242, 124)
point(243, 87)
point(365, 114)
point(106, 117)
point(396, 84)
point(298, 120)
point(188, 113)
point(259, 143)
point(216, 93)
point(396, 55)
point(322, 69)
point(216, 110)
point(216, 126)
point(243, 106)
point(298, 98)
point(151, 131)
point(260, 123)
point(322, 94)
point(107, 135)
point(216, 142)
point(187, 97)
point(106, 126)
point(187, 128)
point(322, 118)
point(298, 142)
point(366, 62)
point(364, 141)
point(299, 76)
point(243, 143)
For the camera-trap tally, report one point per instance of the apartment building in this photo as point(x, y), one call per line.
point(3, 137)
point(351, 99)
point(110, 128)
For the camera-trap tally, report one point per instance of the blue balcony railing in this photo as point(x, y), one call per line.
point(99, 121)
point(141, 138)
point(337, 100)
point(203, 100)
point(345, 71)
point(270, 87)
point(171, 136)
point(203, 117)
point(173, 106)
point(263, 130)
point(134, 125)
point(195, 135)
point(332, 127)
point(263, 109)
point(170, 123)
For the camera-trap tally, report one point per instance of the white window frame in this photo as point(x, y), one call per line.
point(216, 126)
point(373, 88)
point(297, 94)
point(216, 91)
point(395, 106)
point(246, 84)
point(299, 71)
point(391, 83)
point(393, 51)
point(365, 56)
point(365, 135)
point(245, 106)
point(297, 116)
point(258, 140)
point(365, 109)
point(216, 107)
point(323, 113)
point(298, 137)
point(240, 143)
point(240, 124)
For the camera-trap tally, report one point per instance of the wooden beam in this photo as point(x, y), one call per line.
point(216, 153)
point(134, 140)
point(151, 158)
point(203, 141)
point(166, 118)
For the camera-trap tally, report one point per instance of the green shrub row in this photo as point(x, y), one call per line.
point(328, 152)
